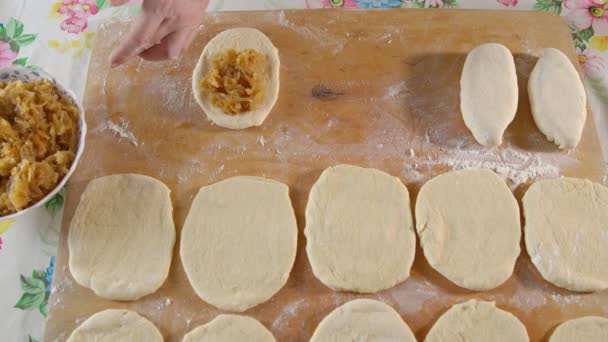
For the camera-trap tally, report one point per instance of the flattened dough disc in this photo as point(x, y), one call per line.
point(239, 240)
point(363, 320)
point(477, 321)
point(230, 328)
point(121, 236)
point(239, 39)
point(116, 326)
point(584, 329)
point(566, 232)
point(469, 227)
point(359, 230)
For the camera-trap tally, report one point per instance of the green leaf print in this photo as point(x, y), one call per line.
point(25, 39)
point(20, 61)
point(31, 339)
point(3, 35)
point(554, 6)
point(30, 301)
point(14, 28)
point(42, 308)
point(38, 274)
point(32, 285)
point(55, 204)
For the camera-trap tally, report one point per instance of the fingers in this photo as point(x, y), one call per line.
point(118, 2)
point(143, 35)
point(171, 46)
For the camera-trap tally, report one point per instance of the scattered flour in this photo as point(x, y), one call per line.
point(120, 129)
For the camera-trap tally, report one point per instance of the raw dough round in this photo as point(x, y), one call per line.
point(116, 326)
point(469, 227)
point(488, 92)
point(239, 39)
point(584, 329)
point(557, 99)
point(239, 242)
point(477, 321)
point(566, 232)
point(363, 320)
point(121, 236)
point(359, 232)
point(230, 328)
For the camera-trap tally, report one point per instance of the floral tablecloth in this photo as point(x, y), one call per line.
point(57, 36)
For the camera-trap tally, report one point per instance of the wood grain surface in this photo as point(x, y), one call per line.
point(373, 88)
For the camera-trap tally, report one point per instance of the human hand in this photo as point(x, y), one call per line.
point(162, 31)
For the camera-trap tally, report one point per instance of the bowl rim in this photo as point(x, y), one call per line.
point(81, 139)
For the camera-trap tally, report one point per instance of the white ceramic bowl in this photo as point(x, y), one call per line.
point(26, 75)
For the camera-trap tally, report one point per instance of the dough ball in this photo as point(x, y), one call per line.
point(239, 241)
point(359, 233)
point(469, 227)
point(121, 236)
point(363, 320)
point(488, 92)
point(230, 328)
point(566, 232)
point(557, 99)
point(477, 321)
point(584, 329)
point(116, 326)
point(239, 39)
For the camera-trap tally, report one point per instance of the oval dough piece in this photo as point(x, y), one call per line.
point(230, 328)
point(359, 232)
point(363, 320)
point(239, 39)
point(488, 92)
point(566, 232)
point(584, 329)
point(477, 321)
point(469, 227)
point(239, 241)
point(121, 236)
point(116, 326)
point(557, 99)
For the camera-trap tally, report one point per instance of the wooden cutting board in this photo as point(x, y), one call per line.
point(374, 88)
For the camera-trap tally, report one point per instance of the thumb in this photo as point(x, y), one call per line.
point(118, 2)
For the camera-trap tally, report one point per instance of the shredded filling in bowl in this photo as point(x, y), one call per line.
point(38, 140)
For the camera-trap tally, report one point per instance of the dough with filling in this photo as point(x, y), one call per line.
point(557, 99)
point(239, 39)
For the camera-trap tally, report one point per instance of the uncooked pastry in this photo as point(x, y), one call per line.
point(477, 321)
point(359, 234)
point(230, 328)
point(239, 39)
point(488, 92)
point(239, 240)
point(557, 99)
point(566, 232)
point(363, 320)
point(121, 236)
point(584, 329)
point(116, 326)
point(469, 227)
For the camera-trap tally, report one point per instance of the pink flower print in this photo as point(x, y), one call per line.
point(433, 3)
point(7, 56)
point(78, 8)
point(508, 2)
point(74, 24)
point(1, 242)
point(592, 63)
point(331, 3)
point(588, 13)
